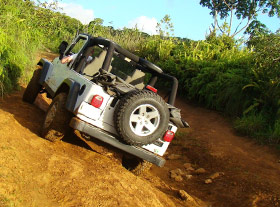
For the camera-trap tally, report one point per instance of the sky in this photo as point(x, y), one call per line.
point(190, 20)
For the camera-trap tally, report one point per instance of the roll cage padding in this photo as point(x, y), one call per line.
point(150, 65)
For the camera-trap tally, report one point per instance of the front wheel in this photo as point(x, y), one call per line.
point(57, 119)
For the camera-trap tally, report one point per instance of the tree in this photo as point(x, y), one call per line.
point(244, 10)
point(165, 28)
point(95, 26)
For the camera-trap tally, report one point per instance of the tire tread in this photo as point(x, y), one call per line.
point(33, 88)
point(60, 124)
point(124, 103)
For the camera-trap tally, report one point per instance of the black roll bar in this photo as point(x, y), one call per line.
point(155, 70)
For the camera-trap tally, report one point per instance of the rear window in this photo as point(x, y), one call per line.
point(122, 67)
point(126, 69)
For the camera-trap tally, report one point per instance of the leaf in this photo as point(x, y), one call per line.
point(256, 74)
point(250, 108)
point(21, 20)
point(250, 85)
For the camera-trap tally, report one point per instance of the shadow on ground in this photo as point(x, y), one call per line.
point(31, 116)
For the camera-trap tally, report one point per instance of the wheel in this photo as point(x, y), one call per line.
point(33, 88)
point(141, 117)
point(136, 165)
point(57, 119)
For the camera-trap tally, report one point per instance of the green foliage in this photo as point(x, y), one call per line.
point(212, 72)
point(265, 79)
point(14, 32)
point(256, 28)
point(276, 132)
point(252, 124)
point(221, 74)
point(130, 39)
point(165, 28)
point(26, 28)
point(243, 10)
point(264, 83)
point(259, 125)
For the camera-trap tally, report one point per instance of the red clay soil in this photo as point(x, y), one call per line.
point(36, 172)
point(250, 172)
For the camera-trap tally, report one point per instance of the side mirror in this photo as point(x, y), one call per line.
point(62, 47)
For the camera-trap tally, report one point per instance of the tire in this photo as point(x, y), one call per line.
point(141, 117)
point(136, 165)
point(33, 88)
point(57, 119)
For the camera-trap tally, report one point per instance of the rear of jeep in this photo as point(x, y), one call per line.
point(106, 100)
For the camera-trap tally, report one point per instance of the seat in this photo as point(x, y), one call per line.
point(95, 65)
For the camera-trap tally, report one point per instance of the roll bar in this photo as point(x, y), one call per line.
point(147, 66)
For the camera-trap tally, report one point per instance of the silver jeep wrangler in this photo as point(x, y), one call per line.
point(108, 93)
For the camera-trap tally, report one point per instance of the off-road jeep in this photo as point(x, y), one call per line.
point(111, 98)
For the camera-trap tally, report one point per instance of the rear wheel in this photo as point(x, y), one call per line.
point(57, 119)
point(136, 165)
point(33, 88)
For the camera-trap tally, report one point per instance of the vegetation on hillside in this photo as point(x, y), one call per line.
point(219, 72)
point(27, 27)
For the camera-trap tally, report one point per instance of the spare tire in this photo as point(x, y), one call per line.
point(141, 117)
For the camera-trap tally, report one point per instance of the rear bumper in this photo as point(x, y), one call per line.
point(110, 139)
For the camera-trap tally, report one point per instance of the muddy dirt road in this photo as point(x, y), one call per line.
point(208, 161)
point(36, 172)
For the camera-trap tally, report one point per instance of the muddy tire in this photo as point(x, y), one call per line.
point(57, 119)
point(33, 88)
point(141, 117)
point(136, 165)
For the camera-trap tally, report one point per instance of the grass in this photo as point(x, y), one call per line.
point(250, 124)
point(180, 137)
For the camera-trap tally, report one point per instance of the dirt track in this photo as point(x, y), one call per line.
point(35, 172)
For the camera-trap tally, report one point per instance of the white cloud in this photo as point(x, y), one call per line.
point(77, 11)
point(144, 24)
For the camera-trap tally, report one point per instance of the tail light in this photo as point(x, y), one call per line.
point(151, 88)
point(168, 136)
point(97, 101)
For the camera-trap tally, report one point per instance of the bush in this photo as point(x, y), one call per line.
point(212, 72)
point(276, 132)
point(252, 124)
point(223, 75)
point(25, 29)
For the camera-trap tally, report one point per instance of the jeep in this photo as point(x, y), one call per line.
point(108, 93)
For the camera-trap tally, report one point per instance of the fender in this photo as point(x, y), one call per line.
point(46, 70)
point(74, 88)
